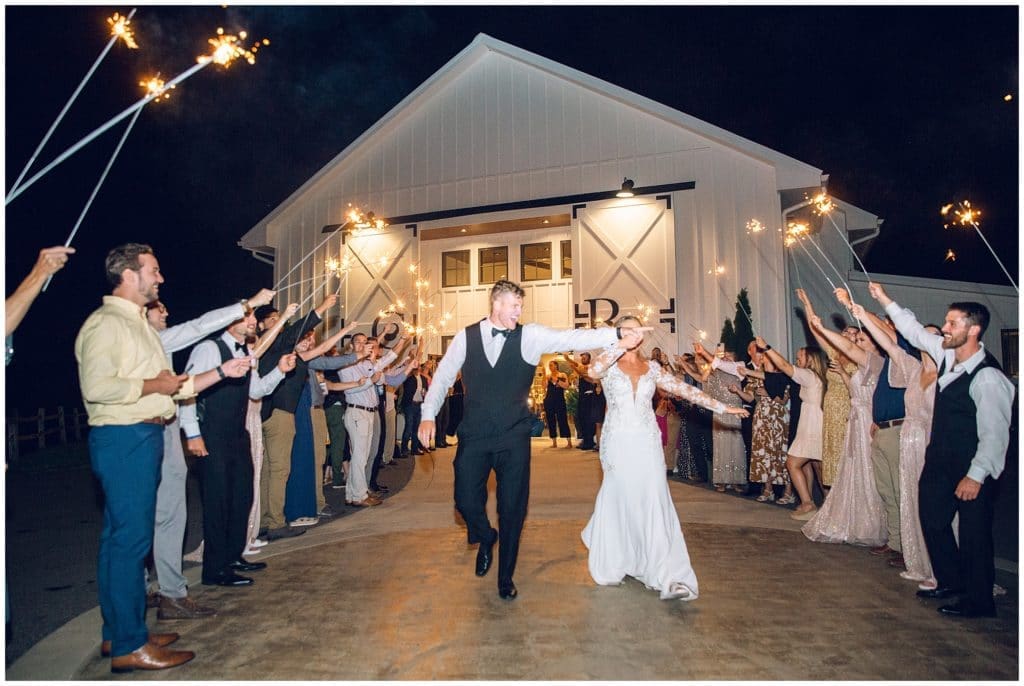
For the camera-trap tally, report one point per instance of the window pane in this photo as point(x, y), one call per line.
point(566, 259)
point(535, 261)
point(455, 268)
point(493, 264)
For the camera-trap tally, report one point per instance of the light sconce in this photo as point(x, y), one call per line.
point(627, 189)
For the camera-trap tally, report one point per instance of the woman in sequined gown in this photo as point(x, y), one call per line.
point(918, 377)
point(693, 447)
point(853, 511)
point(729, 459)
point(635, 530)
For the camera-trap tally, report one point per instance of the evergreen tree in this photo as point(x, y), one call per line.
point(728, 336)
point(743, 331)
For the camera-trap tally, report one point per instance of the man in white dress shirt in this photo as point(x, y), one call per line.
point(218, 435)
point(498, 358)
point(966, 452)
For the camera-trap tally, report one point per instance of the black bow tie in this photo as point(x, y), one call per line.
point(242, 347)
point(500, 332)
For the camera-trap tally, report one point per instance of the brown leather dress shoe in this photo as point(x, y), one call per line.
point(368, 501)
point(150, 657)
point(883, 549)
point(152, 600)
point(182, 608)
point(159, 640)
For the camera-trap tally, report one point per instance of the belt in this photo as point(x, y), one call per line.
point(158, 420)
point(889, 423)
point(360, 407)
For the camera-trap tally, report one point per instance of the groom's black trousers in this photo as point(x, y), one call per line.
point(509, 456)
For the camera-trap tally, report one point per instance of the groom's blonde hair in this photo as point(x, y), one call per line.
point(505, 286)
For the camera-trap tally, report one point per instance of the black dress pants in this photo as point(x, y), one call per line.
point(971, 565)
point(226, 477)
point(509, 457)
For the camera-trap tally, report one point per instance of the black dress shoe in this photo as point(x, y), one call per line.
point(485, 555)
point(241, 565)
point(940, 592)
point(507, 590)
point(959, 610)
point(228, 579)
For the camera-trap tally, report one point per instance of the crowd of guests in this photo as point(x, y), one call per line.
point(900, 430)
point(887, 434)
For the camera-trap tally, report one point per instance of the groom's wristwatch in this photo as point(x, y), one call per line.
point(618, 332)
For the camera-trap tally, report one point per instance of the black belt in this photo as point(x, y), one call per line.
point(360, 407)
point(889, 423)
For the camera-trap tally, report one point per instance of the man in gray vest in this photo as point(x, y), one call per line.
point(965, 455)
point(498, 358)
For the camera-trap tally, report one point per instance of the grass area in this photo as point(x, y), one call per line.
point(52, 458)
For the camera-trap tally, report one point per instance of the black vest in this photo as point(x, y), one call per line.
point(495, 400)
point(223, 406)
point(954, 438)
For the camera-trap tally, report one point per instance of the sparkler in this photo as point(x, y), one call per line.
point(823, 206)
point(793, 234)
point(969, 216)
point(96, 188)
point(701, 333)
point(754, 226)
point(119, 29)
point(156, 87)
point(950, 255)
point(226, 50)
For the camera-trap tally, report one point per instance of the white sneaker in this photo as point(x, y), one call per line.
point(304, 521)
point(249, 552)
point(257, 543)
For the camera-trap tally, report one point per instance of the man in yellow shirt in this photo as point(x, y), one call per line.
point(129, 392)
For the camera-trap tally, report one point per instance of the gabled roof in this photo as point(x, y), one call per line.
point(791, 173)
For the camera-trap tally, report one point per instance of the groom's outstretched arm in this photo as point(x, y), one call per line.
point(539, 339)
point(447, 369)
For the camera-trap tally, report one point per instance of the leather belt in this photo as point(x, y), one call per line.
point(361, 407)
point(158, 420)
point(889, 423)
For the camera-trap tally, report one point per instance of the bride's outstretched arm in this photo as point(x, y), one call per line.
point(669, 383)
point(602, 360)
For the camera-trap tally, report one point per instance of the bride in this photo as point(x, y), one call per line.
point(634, 530)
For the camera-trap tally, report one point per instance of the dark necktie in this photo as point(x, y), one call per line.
point(500, 332)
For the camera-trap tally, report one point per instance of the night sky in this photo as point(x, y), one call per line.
point(903, 107)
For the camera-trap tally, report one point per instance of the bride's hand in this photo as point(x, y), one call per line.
point(738, 411)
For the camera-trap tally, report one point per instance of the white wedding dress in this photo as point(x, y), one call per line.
point(635, 530)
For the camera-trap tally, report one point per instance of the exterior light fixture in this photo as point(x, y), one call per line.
point(627, 189)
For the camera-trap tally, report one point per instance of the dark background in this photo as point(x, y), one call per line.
point(903, 107)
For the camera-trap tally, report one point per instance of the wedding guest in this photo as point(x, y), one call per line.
point(16, 306)
point(769, 394)
point(853, 511)
point(729, 468)
point(694, 444)
point(809, 372)
point(554, 405)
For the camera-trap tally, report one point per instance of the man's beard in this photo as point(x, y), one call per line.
point(953, 342)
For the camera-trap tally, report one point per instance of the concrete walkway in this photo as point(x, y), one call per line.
point(389, 593)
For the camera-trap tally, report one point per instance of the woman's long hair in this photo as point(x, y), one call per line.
point(817, 362)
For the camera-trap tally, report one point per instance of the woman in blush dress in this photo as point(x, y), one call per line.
point(809, 372)
point(853, 511)
point(635, 530)
point(919, 378)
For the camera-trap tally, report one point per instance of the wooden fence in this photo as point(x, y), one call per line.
point(41, 429)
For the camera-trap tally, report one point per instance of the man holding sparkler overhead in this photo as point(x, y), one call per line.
point(966, 453)
point(498, 358)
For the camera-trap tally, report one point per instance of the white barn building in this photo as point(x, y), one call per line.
point(504, 164)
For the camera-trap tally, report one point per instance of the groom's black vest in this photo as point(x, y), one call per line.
point(495, 400)
point(954, 438)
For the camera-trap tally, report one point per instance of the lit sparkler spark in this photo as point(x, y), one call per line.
point(822, 203)
point(226, 50)
point(400, 304)
point(703, 334)
point(965, 214)
point(155, 87)
point(754, 226)
point(644, 312)
point(950, 255)
point(119, 28)
point(1008, 97)
point(361, 221)
point(717, 270)
point(413, 268)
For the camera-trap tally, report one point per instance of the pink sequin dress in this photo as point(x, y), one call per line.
point(905, 371)
point(853, 511)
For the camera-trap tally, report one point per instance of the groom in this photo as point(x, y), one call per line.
point(498, 358)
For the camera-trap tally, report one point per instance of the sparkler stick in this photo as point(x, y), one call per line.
point(824, 206)
point(95, 190)
point(811, 257)
point(300, 262)
point(967, 215)
point(224, 52)
point(53, 127)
